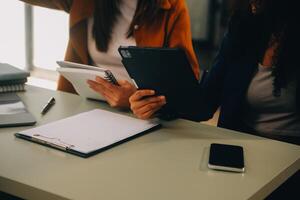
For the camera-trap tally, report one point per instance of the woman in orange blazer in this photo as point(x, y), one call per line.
point(96, 29)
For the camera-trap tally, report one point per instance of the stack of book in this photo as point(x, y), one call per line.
point(12, 79)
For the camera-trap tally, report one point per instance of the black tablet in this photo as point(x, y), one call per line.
point(168, 72)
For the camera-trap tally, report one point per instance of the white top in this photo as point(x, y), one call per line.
point(111, 59)
point(269, 115)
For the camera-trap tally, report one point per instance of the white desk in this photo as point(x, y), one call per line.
point(170, 163)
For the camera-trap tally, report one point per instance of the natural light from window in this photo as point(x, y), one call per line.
point(12, 37)
point(50, 37)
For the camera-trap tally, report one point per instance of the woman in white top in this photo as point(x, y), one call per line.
point(99, 27)
point(103, 44)
point(116, 18)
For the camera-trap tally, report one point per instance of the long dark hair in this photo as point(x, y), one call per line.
point(107, 11)
point(274, 22)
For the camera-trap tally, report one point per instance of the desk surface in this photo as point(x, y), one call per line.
point(170, 163)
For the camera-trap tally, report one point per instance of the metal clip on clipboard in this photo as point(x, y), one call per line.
point(60, 144)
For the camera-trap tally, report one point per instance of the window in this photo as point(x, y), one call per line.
point(12, 37)
point(50, 37)
point(49, 40)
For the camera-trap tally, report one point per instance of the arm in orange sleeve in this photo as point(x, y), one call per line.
point(181, 36)
point(53, 4)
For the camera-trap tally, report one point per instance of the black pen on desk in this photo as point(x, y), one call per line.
point(49, 104)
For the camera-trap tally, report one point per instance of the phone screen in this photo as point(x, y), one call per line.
point(226, 157)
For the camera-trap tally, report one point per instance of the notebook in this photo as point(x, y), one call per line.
point(78, 74)
point(168, 72)
point(13, 112)
point(12, 88)
point(88, 133)
point(12, 79)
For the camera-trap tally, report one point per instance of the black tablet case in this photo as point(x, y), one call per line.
point(168, 72)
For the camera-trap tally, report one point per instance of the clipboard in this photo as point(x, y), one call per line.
point(91, 132)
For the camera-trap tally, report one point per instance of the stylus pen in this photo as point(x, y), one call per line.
point(49, 104)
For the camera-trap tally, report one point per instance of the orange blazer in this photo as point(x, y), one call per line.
point(146, 35)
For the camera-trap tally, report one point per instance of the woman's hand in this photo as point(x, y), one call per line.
point(116, 95)
point(143, 104)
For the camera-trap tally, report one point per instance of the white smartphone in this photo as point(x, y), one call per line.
point(226, 157)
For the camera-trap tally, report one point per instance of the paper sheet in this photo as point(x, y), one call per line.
point(79, 77)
